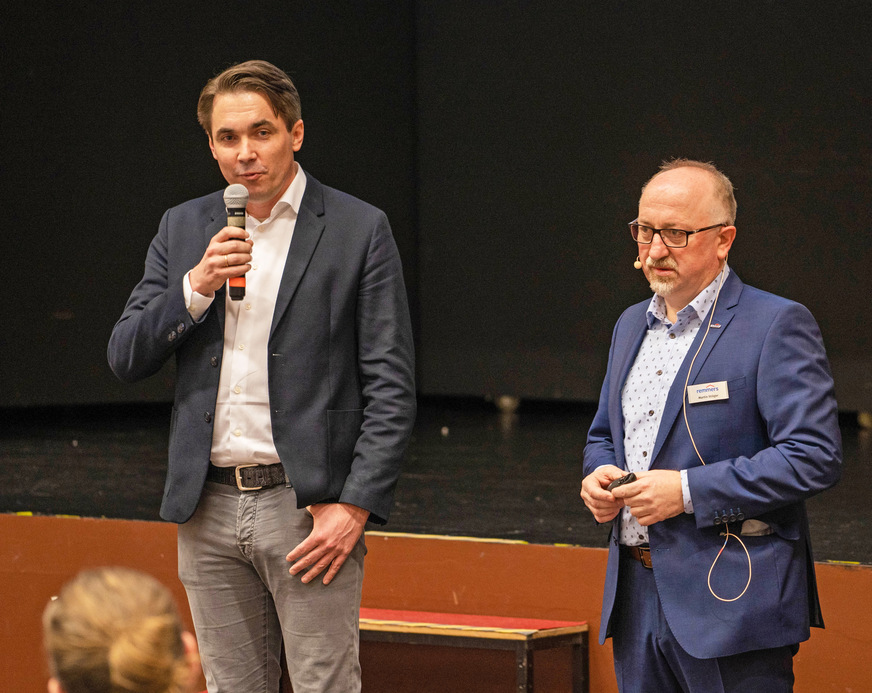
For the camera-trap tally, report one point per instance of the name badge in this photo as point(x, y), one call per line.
point(707, 392)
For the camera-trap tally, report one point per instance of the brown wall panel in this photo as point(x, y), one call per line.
point(39, 554)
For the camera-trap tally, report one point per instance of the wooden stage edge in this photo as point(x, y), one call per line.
point(463, 575)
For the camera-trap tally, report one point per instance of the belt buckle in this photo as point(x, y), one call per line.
point(239, 484)
point(645, 556)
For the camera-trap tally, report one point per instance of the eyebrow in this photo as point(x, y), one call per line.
point(262, 123)
point(253, 126)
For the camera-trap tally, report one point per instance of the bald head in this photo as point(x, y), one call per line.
point(691, 190)
point(720, 187)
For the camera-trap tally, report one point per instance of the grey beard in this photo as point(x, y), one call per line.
point(662, 287)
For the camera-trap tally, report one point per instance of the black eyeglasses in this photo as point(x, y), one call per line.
point(672, 238)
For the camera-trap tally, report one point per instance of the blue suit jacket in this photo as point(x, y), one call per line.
point(772, 444)
point(341, 362)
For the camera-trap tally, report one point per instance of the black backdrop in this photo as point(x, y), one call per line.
point(507, 142)
point(101, 133)
point(538, 124)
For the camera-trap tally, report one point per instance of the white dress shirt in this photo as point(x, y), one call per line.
point(242, 432)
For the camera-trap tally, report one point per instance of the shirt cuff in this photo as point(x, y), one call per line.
point(685, 492)
point(196, 303)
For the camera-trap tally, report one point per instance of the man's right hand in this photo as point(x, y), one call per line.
point(228, 255)
point(595, 495)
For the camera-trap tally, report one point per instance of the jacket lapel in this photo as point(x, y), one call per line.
point(723, 314)
point(307, 232)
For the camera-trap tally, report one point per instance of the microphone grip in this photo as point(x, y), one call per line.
point(236, 217)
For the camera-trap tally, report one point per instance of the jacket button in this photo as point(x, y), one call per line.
point(180, 328)
point(717, 519)
point(171, 336)
point(214, 361)
point(208, 417)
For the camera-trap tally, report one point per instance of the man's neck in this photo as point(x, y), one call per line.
point(675, 305)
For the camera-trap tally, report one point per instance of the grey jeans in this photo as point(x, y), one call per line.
point(244, 602)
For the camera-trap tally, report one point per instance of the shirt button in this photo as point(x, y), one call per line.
point(659, 372)
point(247, 306)
point(650, 412)
point(242, 347)
point(671, 335)
point(237, 389)
point(237, 433)
point(645, 453)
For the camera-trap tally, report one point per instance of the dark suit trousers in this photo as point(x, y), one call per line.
point(648, 658)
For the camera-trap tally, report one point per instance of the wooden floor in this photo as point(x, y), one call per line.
point(470, 471)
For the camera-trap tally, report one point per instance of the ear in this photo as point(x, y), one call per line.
point(212, 147)
point(297, 136)
point(726, 236)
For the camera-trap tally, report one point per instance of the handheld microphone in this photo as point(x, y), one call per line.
point(235, 199)
point(638, 263)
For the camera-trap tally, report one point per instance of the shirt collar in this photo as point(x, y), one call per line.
point(698, 307)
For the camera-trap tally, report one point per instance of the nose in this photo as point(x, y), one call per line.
point(246, 151)
point(657, 248)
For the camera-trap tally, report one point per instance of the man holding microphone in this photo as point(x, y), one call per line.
point(293, 405)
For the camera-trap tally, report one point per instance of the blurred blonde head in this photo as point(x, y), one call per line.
point(114, 630)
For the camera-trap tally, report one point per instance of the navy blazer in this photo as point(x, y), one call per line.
point(341, 359)
point(774, 442)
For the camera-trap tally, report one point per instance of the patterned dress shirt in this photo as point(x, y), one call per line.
point(643, 398)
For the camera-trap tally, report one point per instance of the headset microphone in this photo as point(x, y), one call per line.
point(638, 263)
point(235, 200)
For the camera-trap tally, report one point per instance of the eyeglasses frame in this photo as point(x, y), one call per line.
point(687, 234)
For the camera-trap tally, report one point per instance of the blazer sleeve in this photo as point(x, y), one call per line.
point(386, 364)
point(155, 321)
point(796, 403)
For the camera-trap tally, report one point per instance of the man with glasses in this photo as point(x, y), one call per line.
point(716, 420)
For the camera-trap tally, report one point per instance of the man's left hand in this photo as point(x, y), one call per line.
point(654, 496)
point(337, 528)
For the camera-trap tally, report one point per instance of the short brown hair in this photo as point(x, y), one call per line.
point(723, 185)
point(253, 75)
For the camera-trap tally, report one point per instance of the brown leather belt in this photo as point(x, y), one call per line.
point(638, 553)
point(248, 477)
